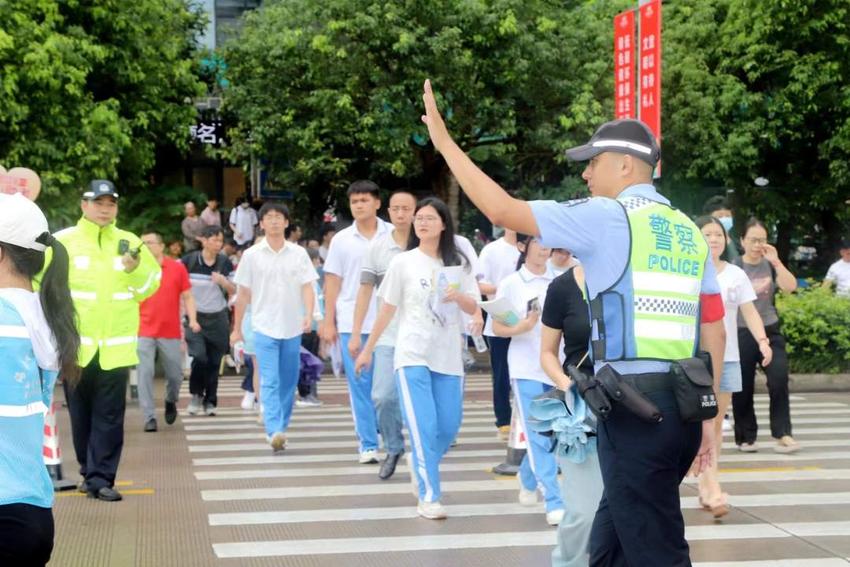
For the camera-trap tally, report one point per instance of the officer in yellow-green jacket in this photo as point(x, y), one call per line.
point(110, 273)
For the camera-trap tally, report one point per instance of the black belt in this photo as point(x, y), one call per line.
point(650, 381)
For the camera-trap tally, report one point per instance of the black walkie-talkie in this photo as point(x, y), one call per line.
point(124, 248)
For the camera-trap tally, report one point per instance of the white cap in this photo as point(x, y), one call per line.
point(22, 223)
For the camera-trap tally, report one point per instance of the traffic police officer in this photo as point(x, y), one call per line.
point(654, 297)
point(110, 273)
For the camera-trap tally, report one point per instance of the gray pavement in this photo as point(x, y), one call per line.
point(207, 491)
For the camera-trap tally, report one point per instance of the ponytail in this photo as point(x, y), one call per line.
point(58, 307)
point(525, 239)
point(55, 299)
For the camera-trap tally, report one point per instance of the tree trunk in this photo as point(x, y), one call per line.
point(453, 199)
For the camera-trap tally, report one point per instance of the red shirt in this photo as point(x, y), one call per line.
point(159, 315)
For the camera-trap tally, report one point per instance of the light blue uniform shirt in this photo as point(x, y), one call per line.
point(25, 394)
point(596, 231)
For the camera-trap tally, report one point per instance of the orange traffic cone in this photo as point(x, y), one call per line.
point(51, 453)
point(517, 446)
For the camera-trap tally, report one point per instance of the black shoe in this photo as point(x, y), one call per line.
point(170, 412)
point(388, 466)
point(106, 494)
point(82, 486)
point(150, 425)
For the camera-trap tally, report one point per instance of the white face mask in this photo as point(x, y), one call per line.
point(727, 222)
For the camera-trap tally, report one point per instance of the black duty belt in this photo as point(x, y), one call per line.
point(650, 381)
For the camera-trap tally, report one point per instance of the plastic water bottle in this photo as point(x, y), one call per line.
point(238, 353)
point(480, 343)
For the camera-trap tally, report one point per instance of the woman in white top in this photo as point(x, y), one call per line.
point(738, 293)
point(429, 285)
point(526, 289)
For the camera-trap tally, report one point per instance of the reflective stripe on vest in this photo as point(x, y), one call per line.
point(652, 312)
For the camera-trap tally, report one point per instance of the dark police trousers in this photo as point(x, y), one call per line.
point(639, 521)
point(96, 406)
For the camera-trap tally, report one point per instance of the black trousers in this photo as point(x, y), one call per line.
point(206, 349)
point(501, 379)
point(746, 426)
point(96, 407)
point(26, 535)
point(639, 521)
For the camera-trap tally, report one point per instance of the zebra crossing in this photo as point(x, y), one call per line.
point(314, 505)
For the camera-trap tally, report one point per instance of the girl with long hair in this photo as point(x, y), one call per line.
point(429, 285)
point(38, 340)
point(526, 289)
point(738, 297)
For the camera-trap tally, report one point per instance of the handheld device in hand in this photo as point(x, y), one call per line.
point(124, 248)
point(533, 304)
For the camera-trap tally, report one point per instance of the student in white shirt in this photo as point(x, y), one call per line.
point(498, 260)
point(375, 264)
point(428, 364)
point(738, 293)
point(276, 277)
point(243, 221)
point(839, 272)
point(525, 289)
point(342, 282)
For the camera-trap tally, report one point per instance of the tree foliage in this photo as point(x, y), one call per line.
point(94, 89)
point(331, 91)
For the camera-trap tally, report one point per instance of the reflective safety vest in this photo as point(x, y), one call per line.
point(652, 311)
point(106, 297)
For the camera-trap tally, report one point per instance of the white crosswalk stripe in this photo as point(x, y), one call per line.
point(317, 482)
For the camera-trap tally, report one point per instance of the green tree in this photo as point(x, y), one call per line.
point(94, 89)
point(331, 91)
point(758, 88)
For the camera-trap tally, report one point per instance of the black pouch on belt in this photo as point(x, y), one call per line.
point(694, 388)
point(624, 393)
point(591, 392)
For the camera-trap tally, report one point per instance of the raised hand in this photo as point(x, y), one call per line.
point(433, 120)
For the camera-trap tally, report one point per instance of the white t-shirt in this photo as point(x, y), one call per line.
point(423, 340)
point(345, 256)
point(498, 260)
point(244, 219)
point(524, 351)
point(275, 280)
point(736, 290)
point(376, 261)
point(839, 273)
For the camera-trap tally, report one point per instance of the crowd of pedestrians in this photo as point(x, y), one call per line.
point(400, 303)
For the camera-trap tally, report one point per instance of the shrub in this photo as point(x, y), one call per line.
point(816, 324)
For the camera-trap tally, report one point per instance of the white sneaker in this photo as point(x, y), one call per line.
point(368, 457)
point(526, 497)
point(301, 402)
point(228, 360)
point(414, 486)
point(748, 447)
point(554, 517)
point(278, 442)
point(196, 405)
point(248, 401)
point(431, 510)
point(727, 424)
point(312, 401)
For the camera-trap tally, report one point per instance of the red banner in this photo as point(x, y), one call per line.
point(649, 67)
point(624, 64)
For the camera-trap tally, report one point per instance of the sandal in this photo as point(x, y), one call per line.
point(720, 508)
